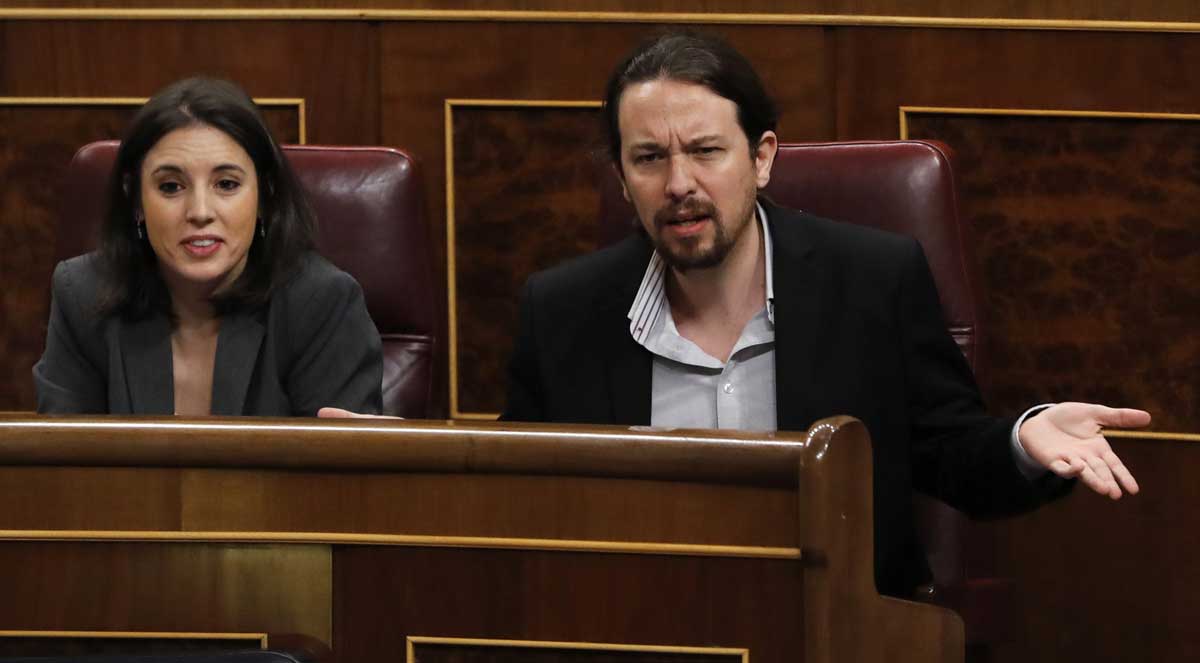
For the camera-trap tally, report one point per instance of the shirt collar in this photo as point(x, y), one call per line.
point(651, 300)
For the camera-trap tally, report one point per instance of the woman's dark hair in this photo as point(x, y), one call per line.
point(133, 286)
point(694, 58)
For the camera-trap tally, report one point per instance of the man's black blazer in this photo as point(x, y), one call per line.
point(313, 345)
point(858, 331)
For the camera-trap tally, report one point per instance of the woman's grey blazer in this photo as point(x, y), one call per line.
point(313, 345)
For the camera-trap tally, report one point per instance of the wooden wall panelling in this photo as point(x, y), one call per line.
point(438, 504)
point(1086, 235)
point(1085, 232)
point(384, 594)
point(1078, 557)
point(330, 64)
point(1113, 581)
point(523, 198)
point(880, 70)
point(179, 587)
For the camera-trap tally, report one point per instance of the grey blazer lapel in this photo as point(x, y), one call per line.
point(149, 369)
point(237, 355)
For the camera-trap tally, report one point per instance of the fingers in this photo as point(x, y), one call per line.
point(1123, 475)
point(339, 413)
point(1121, 417)
point(1067, 470)
point(335, 413)
point(1104, 477)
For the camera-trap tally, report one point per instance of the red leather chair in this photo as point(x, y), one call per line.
point(905, 187)
point(370, 224)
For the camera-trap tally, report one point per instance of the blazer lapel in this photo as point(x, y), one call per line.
point(629, 369)
point(149, 369)
point(237, 355)
point(801, 307)
point(627, 365)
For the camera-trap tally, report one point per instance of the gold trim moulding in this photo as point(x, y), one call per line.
point(545, 16)
point(905, 111)
point(406, 540)
point(1151, 435)
point(412, 640)
point(260, 638)
point(451, 261)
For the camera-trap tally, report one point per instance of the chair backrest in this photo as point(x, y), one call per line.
point(905, 187)
point(368, 206)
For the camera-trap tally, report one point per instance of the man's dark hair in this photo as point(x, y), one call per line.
point(132, 284)
point(694, 58)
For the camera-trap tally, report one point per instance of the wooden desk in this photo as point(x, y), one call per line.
point(387, 539)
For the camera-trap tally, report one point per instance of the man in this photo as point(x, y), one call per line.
point(730, 312)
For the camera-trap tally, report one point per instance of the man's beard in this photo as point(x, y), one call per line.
point(677, 254)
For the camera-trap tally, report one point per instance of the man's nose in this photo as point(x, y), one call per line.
point(199, 208)
point(680, 181)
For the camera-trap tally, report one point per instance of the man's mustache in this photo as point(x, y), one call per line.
point(687, 209)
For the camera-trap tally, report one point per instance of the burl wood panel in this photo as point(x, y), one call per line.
point(1089, 248)
point(383, 595)
point(39, 141)
point(525, 199)
point(167, 587)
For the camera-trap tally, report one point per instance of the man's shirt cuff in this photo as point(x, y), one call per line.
point(1030, 468)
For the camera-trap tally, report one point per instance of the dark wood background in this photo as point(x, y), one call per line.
point(1093, 214)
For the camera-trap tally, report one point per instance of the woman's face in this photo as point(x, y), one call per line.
point(200, 200)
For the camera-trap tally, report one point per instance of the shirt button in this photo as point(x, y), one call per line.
point(728, 387)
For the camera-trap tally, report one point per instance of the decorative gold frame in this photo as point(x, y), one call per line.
point(413, 640)
point(451, 282)
point(266, 102)
point(407, 540)
point(260, 638)
point(905, 111)
point(561, 16)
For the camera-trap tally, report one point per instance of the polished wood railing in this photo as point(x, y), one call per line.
point(382, 537)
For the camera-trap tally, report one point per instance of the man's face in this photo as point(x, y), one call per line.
point(688, 170)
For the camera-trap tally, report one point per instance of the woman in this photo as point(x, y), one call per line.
point(205, 296)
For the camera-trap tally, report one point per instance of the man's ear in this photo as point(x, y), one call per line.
point(621, 179)
point(764, 157)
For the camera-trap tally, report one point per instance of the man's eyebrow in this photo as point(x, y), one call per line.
point(704, 140)
point(646, 145)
